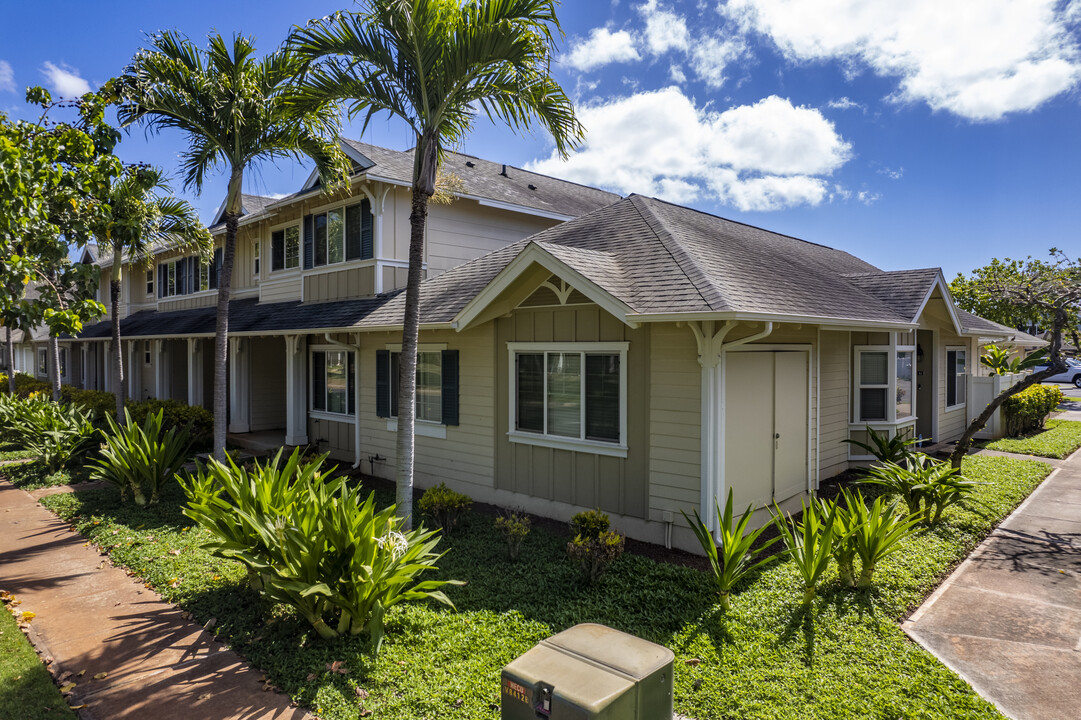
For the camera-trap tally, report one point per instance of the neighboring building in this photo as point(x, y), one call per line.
point(577, 349)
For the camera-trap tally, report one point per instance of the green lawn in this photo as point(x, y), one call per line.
point(34, 475)
point(10, 451)
point(27, 691)
point(765, 659)
point(1058, 440)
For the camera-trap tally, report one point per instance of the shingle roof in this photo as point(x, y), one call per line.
point(903, 290)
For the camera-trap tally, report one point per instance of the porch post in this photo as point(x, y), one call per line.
point(84, 358)
point(133, 385)
point(195, 372)
point(377, 244)
point(710, 341)
point(107, 349)
point(238, 386)
point(161, 370)
point(296, 384)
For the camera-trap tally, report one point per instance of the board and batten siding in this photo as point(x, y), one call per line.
point(834, 373)
point(578, 478)
point(267, 358)
point(345, 284)
point(675, 422)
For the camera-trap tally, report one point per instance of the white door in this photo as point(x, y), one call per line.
point(766, 424)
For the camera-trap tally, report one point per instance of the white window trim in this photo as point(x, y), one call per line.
point(327, 414)
point(891, 351)
point(595, 447)
point(426, 428)
point(418, 424)
point(257, 259)
point(300, 249)
point(945, 361)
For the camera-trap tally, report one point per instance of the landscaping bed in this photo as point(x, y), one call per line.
point(765, 658)
point(1058, 440)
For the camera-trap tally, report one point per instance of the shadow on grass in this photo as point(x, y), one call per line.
point(33, 474)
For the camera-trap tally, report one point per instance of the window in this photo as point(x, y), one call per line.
point(285, 249)
point(146, 352)
point(43, 362)
point(336, 236)
point(332, 382)
point(905, 386)
point(874, 385)
point(956, 376)
point(885, 382)
point(429, 401)
point(204, 277)
point(256, 255)
point(150, 283)
point(170, 280)
point(575, 393)
point(437, 387)
point(63, 362)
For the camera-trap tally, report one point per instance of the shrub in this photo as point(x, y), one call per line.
point(198, 420)
point(98, 403)
point(444, 506)
point(56, 433)
point(1027, 411)
point(514, 526)
point(926, 485)
point(845, 520)
point(885, 448)
point(809, 541)
point(732, 560)
point(26, 385)
point(593, 555)
point(309, 541)
point(590, 523)
point(135, 457)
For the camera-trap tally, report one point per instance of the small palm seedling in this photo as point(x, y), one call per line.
point(877, 533)
point(809, 542)
point(884, 448)
point(135, 456)
point(730, 558)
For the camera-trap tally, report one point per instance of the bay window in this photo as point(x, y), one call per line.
point(570, 395)
point(956, 376)
point(885, 383)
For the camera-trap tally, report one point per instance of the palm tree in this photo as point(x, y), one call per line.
point(233, 108)
point(435, 64)
point(141, 223)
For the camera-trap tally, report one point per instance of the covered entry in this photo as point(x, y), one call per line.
point(766, 426)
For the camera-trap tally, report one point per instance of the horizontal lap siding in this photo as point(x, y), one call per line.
point(833, 425)
point(465, 230)
point(283, 290)
point(675, 422)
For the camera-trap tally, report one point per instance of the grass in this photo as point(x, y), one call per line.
point(34, 475)
point(764, 659)
point(1058, 440)
point(10, 451)
point(27, 691)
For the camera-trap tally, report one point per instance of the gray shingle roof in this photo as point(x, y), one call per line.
point(902, 290)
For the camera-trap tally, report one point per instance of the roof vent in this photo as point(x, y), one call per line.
point(470, 163)
point(532, 187)
point(504, 172)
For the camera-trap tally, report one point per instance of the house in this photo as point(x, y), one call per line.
point(577, 349)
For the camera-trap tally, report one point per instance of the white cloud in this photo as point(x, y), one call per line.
point(665, 30)
point(846, 103)
point(711, 55)
point(64, 80)
point(979, 59)
point(891, 173)
point(7, 77)
point(603, 48)
point(867, 197)
point(676, 74)
point(764, 156)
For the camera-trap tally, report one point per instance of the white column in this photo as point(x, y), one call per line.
point(161, 385)
point(133, 383)
point(195, 372)
point(296, 385)
point(106, 365)
point(238, 386)
point(84, 358)
point(377, 245)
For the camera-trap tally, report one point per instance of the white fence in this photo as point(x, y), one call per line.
point(981, 390)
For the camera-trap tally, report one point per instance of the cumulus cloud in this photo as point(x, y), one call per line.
point(711, 55)
point(765, 156)
point(7, 77)
point(64, 80)
point(665, 30)
point(603, 47)
point(978, 59)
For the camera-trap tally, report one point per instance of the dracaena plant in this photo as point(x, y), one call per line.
point(139, 458)
point(809, 541)
point(730, 557)
point(311, 541)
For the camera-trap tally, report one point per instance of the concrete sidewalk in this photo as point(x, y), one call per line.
point(91, 616)
point(1008, 620)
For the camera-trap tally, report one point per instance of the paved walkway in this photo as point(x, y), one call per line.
point(1008, 620)
point(91, 616)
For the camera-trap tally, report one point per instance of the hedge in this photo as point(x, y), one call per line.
point(1027, 411)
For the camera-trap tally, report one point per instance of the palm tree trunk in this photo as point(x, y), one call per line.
point(9, 349)
point(221, 332)
point(54, 362)
point(407, 372)
point(118, 353)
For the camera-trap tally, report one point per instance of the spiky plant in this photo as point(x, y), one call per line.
point(809, 541)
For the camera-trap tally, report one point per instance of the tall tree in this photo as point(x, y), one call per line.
point(435, 64)
point(232, 107)
point(141, 222)
point(1034, 288)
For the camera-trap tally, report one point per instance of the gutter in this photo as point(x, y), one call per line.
point(768, 317)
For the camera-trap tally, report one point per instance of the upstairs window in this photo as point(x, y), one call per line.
point(186, 275)
point(338, 235)
point(150, 283)
point(285, 248)
point(956, 376)
point(255, 253)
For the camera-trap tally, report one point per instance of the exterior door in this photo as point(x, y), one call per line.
point(766, 424)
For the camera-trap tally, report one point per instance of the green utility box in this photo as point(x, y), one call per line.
point(589, 672)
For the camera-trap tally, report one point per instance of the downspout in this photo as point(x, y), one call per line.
point(356, 391)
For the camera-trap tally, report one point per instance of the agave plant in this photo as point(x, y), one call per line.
point(134, 457)
point(730, 558)
point(884, 448)
point(311, 541)
point(877, 532)
point(809, 541)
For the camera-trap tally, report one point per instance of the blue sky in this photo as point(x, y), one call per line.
point(923, 133)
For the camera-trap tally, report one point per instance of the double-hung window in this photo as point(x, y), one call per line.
point(436, 396)
point(429, 402)
point(956, 376)
point(43, 362)
point(885, 383)
point(333, 389)
point(184, 276)
point(285, 248)
point(569, 395)
point(255, 255)
point(150, 283)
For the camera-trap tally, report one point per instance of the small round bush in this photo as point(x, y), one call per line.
point(514, 526)
point(443, 506)
point(590, 523)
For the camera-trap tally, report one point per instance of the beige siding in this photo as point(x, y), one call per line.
point(267, 383)
point(331, 436)
point(465, 230)
point(675, 422)
point(186, 302)
point(834, 374)
point(349, 283)
point(281, 288)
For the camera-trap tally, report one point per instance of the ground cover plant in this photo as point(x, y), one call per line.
point(1059, 440)
point(764, 658)
point(27, 691)
point(34, 475)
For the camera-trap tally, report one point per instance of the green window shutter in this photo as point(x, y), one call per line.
point(351, 383)
point(382, 383)
point(366, 245)
point(450, 387)
point(309, 242)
